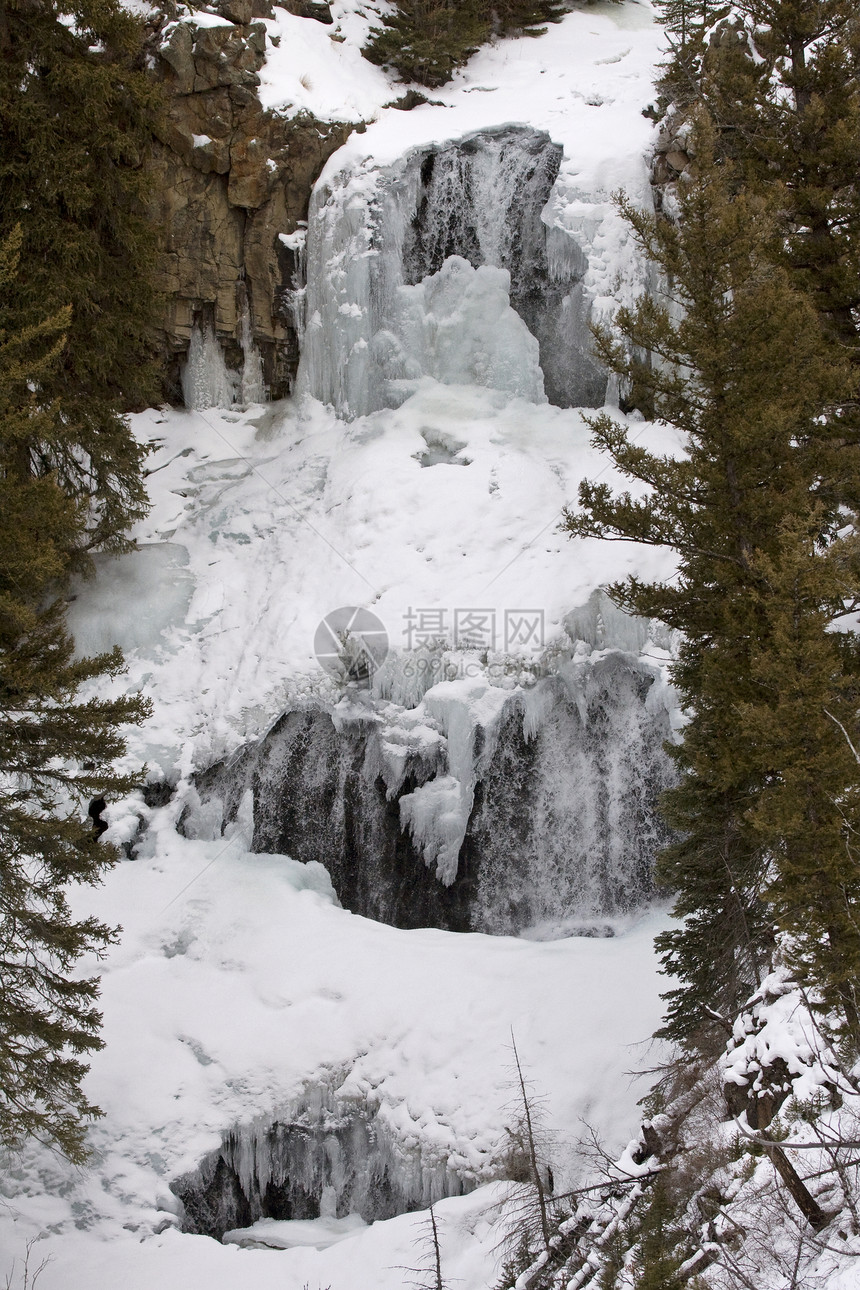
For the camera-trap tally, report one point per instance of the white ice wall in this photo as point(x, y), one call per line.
point(372, 331)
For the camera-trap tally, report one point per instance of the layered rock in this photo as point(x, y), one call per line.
point(229, 179)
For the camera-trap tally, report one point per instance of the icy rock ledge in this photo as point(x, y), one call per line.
point(442, 265)
point(482, 807)
point(324, 1158)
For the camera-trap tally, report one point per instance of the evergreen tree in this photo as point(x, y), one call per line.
point(807, 814)
point(77, 111)
point(56, 753)
point(658, 1259)
point(758, 391)
point(783, 87)
point(528, 17)
point(687, 20)
point(427, 40)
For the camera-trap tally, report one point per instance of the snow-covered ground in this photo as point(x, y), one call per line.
point(265, 521)
point(239, 983)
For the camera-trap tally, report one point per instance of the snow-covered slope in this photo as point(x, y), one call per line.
point(265, 521)
point(240, 988)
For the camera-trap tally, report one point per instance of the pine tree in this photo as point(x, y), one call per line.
point(808, 814)
point(77, 112)
point(688, 20)
point(528, 17)
point(657, 1260)
point(56, 753)
point(783, 88)
point(427, 40)
point(759, 392)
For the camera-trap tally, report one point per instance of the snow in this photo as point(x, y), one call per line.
point(239, 984)
point(307, 70)
point(202, 18)
point(319, 1233)
point(373, 1261)
point(778, 1026)
point(597, 64)
point(604, 144)
point(239, 981)
point(284, 513)
point(294, 241)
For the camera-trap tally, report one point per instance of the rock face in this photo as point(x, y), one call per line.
point(229, 179)
point(323, 1156)
point(562, 828)
point(420, 268)
point(673, 154)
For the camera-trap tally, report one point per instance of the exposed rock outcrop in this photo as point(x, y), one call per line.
point(561, 828)
point(674, 149)
point(673, 153)
point(229, 179)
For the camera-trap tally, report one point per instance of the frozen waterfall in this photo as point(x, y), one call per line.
point(207, 381)
point(476, 808)
point(442, 265)
point(471, 803)
point(323, 1155)
point(252, 387)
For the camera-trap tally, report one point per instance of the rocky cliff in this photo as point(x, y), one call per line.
point(230, 178)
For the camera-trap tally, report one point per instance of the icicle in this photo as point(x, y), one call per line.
point(206, 381)
point(566, 260)
point(322, 1156)
point(295, 297)
point(253, 387)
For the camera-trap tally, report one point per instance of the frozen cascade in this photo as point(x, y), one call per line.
point(295, 271)
point(478, 809)
point(450, 241)
point(252, 387)
point(323, 1155)
point(206, 380)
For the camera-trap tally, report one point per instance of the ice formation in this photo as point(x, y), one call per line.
point(252, 387)
point(457, 326)
point(480, 807)
point(441, 265)
point(323, 1156)
point(295, 248)
point(206, 380)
